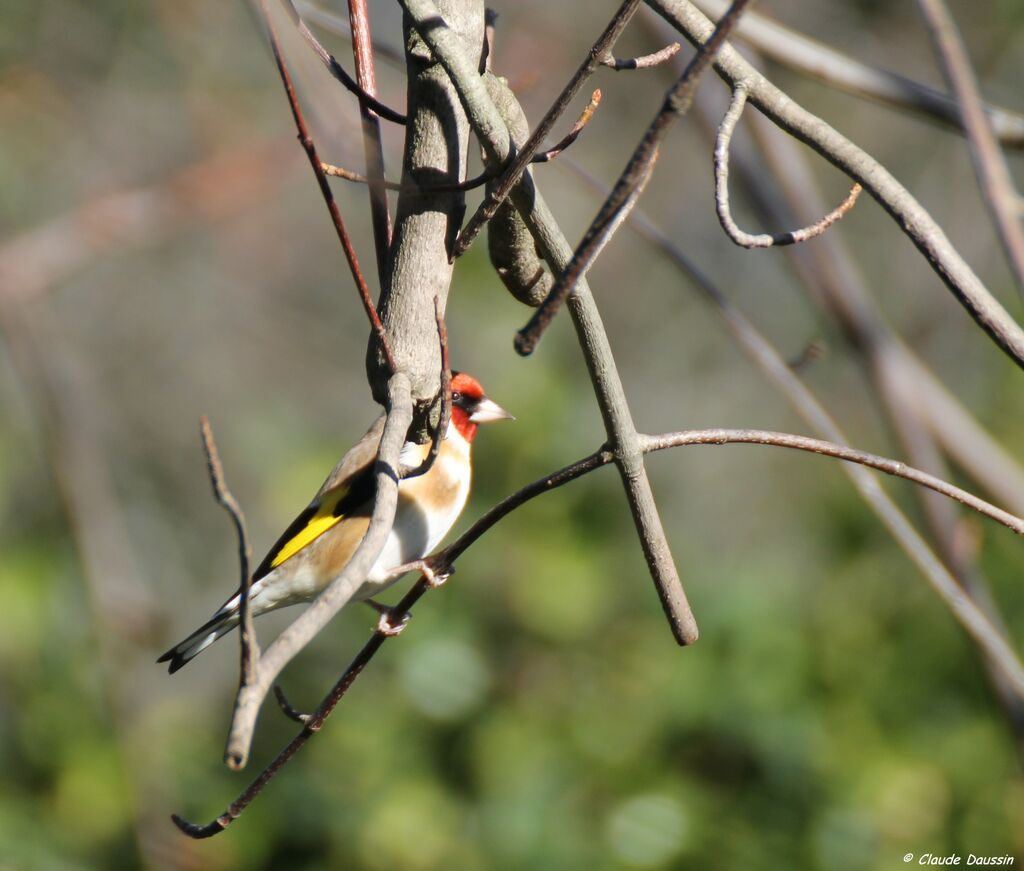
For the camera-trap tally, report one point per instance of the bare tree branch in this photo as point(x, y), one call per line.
point(337, 25)
point(909, 215)
point(367, 99)
point(426, 221)
point(822, 62)
point(990, 167)
point(644, 62)
point(626, 190)
point(760, 240)
point(325, 189)
point(573, 134)
point(362, 49)
point(249, 647)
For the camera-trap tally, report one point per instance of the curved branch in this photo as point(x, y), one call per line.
point(366, 99)
point(760, 240)
point(908, 213)
point(250, 649)
point(573, 134)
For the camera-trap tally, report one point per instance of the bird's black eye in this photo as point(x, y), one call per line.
point(456, 398)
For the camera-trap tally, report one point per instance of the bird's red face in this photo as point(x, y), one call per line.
point(470, 406)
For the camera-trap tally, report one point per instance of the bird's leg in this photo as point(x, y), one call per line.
point(434, 577)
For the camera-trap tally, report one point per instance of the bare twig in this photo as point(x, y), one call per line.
point(491, 130)
point(641, 63)
point(990, 167)
point(760, 240)
point(287, 709)
point(366, 98)
point(577, 128)
point(609, 216)
point(249, 646)
point(896, 468)
point(339, 592)
point(822, 62)
point(325, 189)
point(511, 174)
point(444, 560)
point(337, 25)
point(362, 48)
point(446, 399)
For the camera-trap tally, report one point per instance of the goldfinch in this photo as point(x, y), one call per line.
point(318, 544)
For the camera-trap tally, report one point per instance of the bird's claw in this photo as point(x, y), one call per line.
point(435, 577)
point(389, 629)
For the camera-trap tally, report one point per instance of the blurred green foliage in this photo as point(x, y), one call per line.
point(536, 713)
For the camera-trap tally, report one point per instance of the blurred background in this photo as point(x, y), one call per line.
point(165, 253)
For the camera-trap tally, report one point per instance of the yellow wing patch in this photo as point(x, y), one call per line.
point(316, 526)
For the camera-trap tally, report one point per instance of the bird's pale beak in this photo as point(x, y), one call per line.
point(488, 411)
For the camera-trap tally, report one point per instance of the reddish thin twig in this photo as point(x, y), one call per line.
point(573, 134)
point(339, 225)
point(732, 230)
point(366, 99)
point(643, 62)
point(446, 397)
point(623, 196)
point(373, 149)
point(249, 646)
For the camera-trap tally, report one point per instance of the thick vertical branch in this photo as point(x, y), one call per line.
point(426, 223)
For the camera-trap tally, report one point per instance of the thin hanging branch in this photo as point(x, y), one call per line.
point(444, 560)
point(249, 646)
point(760, 240)
point(511, 175)
point(366, 99)
point(624, 193)
point(989, 164)
point(332, 206)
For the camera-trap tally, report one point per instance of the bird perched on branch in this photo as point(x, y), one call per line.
point(318, 544)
